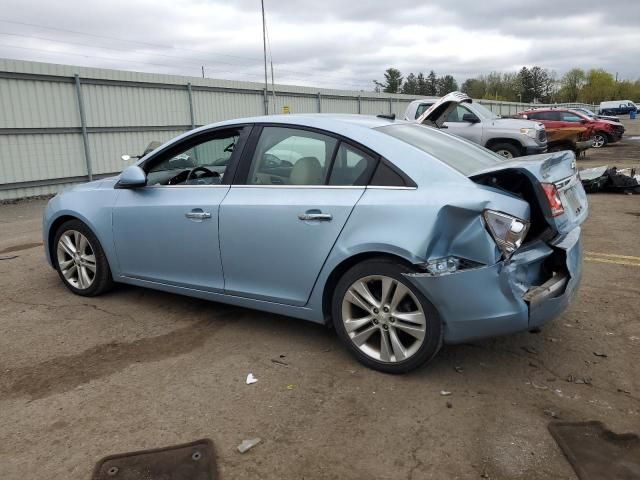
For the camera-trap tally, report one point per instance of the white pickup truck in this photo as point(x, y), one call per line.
point(508, 137)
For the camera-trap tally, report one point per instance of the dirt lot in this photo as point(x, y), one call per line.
point(136, 369)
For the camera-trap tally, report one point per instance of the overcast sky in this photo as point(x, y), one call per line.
point(326, 43)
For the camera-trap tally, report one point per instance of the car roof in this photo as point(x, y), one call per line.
point(324, 121)
point(361, 129)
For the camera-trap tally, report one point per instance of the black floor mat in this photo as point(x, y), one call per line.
point(189, 461)
point(596, 453)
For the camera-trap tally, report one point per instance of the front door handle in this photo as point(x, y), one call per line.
point(197, 214)
point(323, 217)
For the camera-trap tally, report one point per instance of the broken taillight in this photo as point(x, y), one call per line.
point(551, 192)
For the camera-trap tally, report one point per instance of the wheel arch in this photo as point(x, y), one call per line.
point(512, 141)
point(342, 267)
point(55, 225)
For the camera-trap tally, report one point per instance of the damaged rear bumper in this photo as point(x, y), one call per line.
point(533, 287)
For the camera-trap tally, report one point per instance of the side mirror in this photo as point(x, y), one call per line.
point(132, 177)
point(470, 117)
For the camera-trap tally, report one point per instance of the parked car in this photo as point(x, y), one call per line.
point(508, 137)
point(576, 138)
point(617, 107)
point(377, 226)
point(593, 115)
point(604, 131)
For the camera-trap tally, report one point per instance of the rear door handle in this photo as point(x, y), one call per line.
point(197, 214)
point(323, 217)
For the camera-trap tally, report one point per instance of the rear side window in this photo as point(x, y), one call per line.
point(351, 166)
point(385, 176)
point(289, 156)
point(460, 154)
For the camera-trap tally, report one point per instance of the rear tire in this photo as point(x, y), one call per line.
point(80, 260)
point(383, 320)
point(600, 139)
point(506, 150)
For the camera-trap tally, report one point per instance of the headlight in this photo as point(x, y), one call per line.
point(507, 231)
point(529, 132)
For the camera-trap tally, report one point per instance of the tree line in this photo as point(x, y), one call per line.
point(429, 85)
point(529, 84)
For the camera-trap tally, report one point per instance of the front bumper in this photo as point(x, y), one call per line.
point(524, 293)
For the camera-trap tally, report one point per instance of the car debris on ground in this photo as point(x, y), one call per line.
point(251, 379)
point(248, 444)
point(605, 179)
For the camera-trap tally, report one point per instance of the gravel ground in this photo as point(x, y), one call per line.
point(135, 369)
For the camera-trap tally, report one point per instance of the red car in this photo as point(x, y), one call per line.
point(602, 131)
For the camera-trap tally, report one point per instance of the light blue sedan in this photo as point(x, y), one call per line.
point(399, 235)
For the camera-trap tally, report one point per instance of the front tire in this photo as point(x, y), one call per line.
point(600, 139)
point(383, 320)
point(80, 260)
point(506, 150)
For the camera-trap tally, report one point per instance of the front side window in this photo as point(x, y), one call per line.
point(570, 117)
point(458, 114)
point(290, 156)
point(204, 163)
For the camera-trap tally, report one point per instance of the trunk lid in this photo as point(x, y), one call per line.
point(558, 169)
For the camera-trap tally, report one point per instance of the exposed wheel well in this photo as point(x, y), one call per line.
point(341, 268)
point(494, 141)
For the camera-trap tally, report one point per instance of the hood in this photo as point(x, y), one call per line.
point(514, 123)
point(94, 185)
point(608, 122)
point(437, 113)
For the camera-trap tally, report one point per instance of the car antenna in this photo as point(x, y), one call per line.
point(390, 116)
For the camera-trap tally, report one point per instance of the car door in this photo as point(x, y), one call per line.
point(167, 231)
point(457, 124)
point(296, 189)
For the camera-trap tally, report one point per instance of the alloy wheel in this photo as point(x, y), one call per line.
point(383, 318)
point(505, 153)
point(598, 140)
point(76, 259)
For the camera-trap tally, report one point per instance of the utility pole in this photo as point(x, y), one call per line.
point(264, 45)
point(273, 88)
point(202, 71)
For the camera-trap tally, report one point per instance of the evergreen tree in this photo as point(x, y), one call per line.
point(393, 81)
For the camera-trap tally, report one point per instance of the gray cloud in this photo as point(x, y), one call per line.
point(328, 44)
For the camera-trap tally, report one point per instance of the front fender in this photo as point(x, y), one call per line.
point(93, 207)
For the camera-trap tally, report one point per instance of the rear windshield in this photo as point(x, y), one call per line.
point(466, 157)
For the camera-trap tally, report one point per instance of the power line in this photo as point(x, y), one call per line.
point(169, 47)
point(140, 62)
point(106, 37)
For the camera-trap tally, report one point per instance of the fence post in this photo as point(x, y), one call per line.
point(266, 101)
point(319, 103)
point(191, 112)
point(359, 105)
point(390, 105)
point(83, 126)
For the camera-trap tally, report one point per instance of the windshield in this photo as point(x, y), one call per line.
point(586, 111)
point(483, 111)
point(466, 157)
